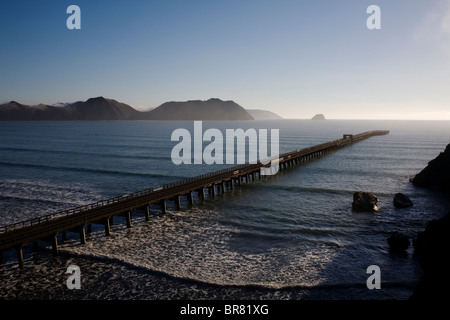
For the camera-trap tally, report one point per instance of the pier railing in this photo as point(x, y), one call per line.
point(72, 211)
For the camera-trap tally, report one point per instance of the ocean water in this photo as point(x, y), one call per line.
point(289, 236)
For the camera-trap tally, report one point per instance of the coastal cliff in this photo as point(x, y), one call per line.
point(437, 174)
point(432, 246)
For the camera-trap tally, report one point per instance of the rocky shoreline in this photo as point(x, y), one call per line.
point(436, 175)
point(432, 249)
point(432, 246)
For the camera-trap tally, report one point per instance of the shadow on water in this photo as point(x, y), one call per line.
point(399, 272)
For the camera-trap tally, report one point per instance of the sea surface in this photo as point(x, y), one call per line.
point(289, 236)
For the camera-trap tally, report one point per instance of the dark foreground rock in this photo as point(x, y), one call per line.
point(402, 201)
point(365, 201)
point(398, 242)
point(432, 248)
point(437, 174)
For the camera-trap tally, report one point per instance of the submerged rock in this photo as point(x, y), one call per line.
point(365, 201)
point(398, 242)
point(402, 201)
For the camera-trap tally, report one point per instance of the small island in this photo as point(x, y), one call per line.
point(318, 116)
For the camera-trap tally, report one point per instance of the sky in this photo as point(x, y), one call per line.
point(296, 58)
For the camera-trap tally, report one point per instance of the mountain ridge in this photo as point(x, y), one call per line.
point(101, 108)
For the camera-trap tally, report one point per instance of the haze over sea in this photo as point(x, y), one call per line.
point(289, 236)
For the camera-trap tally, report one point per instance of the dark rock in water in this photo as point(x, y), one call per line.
point(365, 201)
point(432, 248)
point(437, 174)
point(318, 117)
point(398, 242)
point(402, 201)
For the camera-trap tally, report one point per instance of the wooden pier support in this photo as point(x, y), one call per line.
point(20, 256)
point(107, 224)
point(54, 242)
point(164, 206)
point(147, 212)
point(203, 194)
point(82, 235)
point(127, 216)
point(79, 230)
point(178, 202)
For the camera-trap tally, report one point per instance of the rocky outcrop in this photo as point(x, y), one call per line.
point(402, 201)
point(398, 242)
point(318, 117)
point(437, 174)
point(432, 248)
point(365, 201)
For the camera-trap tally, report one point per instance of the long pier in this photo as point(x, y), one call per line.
point(80, 219)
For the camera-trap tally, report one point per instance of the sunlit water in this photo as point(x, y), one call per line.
point(289, 236)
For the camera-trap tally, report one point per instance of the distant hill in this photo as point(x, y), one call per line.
point(318, 117)
point(93, 109)
point(212, 109)
point(258, 114)
point(101, 108)
point(14, 111)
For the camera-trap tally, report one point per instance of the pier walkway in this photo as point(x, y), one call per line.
point(80, 219)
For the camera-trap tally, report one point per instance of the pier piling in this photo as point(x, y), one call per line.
point(20, 256)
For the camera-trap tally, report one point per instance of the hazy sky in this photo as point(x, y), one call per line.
point(296, 58)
